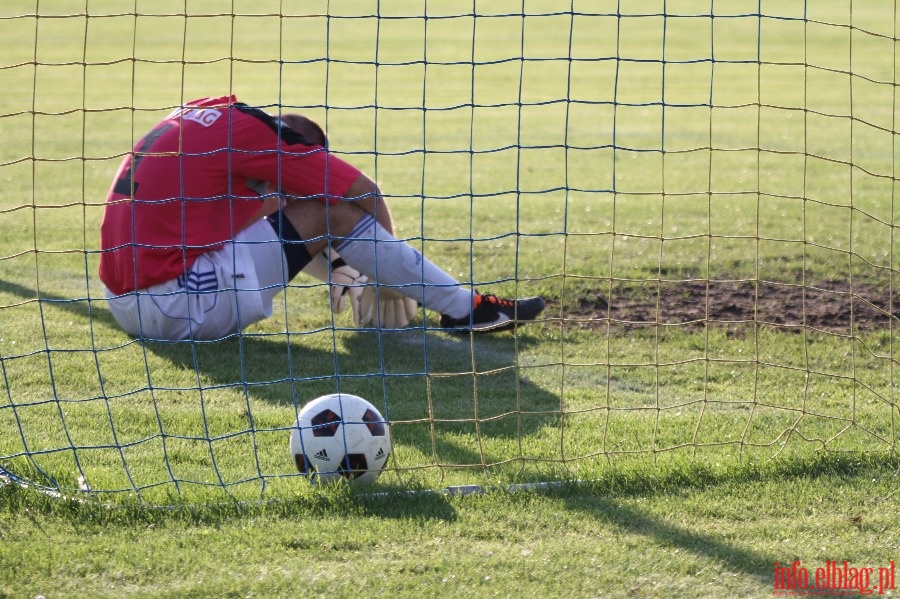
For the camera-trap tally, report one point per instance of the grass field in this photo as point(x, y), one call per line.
point(601, 155)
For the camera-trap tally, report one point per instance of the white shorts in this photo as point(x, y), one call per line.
point(224, 291)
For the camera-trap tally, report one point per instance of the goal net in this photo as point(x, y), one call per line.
point(704, 193)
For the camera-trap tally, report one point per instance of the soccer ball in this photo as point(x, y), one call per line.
point(340, 436)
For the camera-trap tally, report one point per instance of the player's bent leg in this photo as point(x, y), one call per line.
point(394, 264)
point(367, 247)
point(389, 261)
point(318, 224)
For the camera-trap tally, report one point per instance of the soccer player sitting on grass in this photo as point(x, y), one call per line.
point(220, 205)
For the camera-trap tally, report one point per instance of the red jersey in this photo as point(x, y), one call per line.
point(183, 190)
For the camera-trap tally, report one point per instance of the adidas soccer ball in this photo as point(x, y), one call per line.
point(340, 436)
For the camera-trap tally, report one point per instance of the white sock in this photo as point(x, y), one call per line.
point(383, 258)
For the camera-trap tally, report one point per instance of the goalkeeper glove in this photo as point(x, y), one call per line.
point(346, 283)
point(386, 308)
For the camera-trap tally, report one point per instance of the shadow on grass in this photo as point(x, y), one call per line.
point(606, 499)
point(458, 400)
point(709, 548)
point(444, 395)
point(82, 307)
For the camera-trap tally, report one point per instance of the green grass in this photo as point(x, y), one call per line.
point(707, 453)
point(671, 529)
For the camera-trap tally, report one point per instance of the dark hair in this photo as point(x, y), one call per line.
point(311, 132)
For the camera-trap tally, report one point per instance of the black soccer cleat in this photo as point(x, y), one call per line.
point(492, 313)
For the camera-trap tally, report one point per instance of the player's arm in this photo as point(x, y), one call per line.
point(302, 177)
point(299, 168)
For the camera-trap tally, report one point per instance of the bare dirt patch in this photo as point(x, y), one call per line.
point(832, 306)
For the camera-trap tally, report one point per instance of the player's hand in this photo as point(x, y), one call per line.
point(385, 308)
point(346, 284)
point(346, 288)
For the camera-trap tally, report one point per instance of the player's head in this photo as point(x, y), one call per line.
point(308, 129)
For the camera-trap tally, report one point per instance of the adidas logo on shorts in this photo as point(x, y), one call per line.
point(199, 281)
